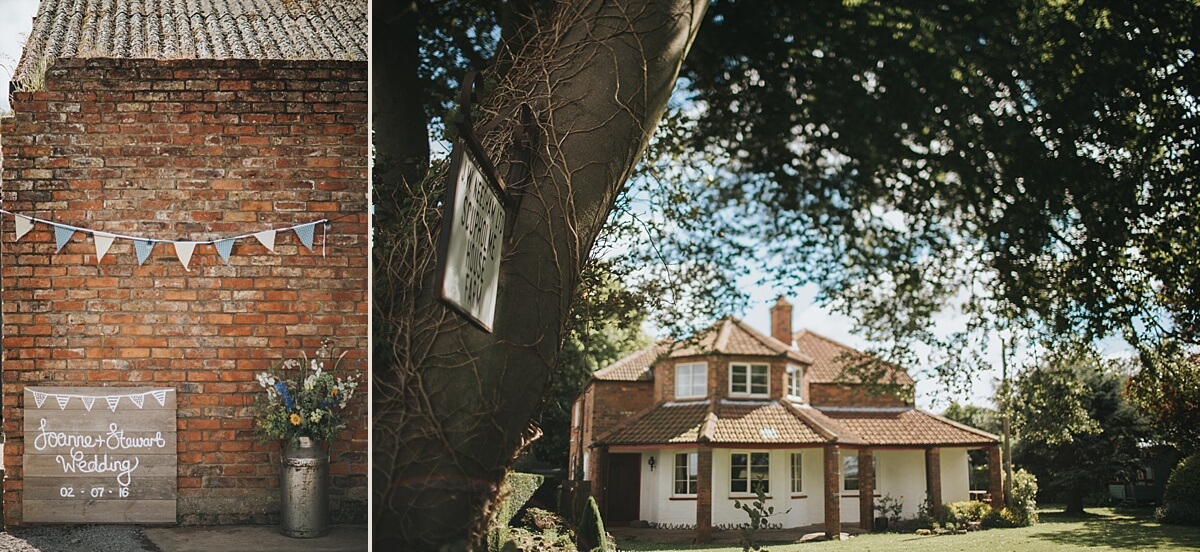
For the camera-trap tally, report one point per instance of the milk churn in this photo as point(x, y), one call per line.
point(304, 488)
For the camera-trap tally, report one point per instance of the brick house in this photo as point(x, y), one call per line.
point(189, 121)
point(674, 434)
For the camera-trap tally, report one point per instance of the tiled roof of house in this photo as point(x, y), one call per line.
point(634, 367)
point(197, 29)
point(731, 336)
point(752, 423)
point(909, 426)
point(829, 356)
point(665, 423)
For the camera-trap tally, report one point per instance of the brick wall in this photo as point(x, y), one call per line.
point(189, 150)
point(839, 394)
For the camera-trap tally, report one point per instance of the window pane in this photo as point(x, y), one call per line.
point(850, 472)
point(797, 472)
point(686, 469)
point(738, 378)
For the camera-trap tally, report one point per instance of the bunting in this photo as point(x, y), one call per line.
point(113, 401)
point(184, 249)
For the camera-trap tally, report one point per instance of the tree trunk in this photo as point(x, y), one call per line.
point(452, 404)
point(1075, 502)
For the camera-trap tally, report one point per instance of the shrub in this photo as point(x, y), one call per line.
point(1181, 498)
point(1003, 518)
point(591, 529)
point(962, 513)
point(1024, 498)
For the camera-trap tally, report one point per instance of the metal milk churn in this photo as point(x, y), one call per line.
point(304, 489)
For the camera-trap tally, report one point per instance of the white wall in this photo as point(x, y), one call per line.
point(657, 487)
point(900, 473)
point(806, 508)
point(956, 475)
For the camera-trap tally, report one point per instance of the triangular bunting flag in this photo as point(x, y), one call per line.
point(62, 401)
point(160, 396)
point(267, 238)
point(139, 399)
point(305, 231)
point(225, 247)
point(88, 402)
point(38, 398)
point(103, 242)
point(24, 225)
point(112, 402)
point(183, 250)
point(143, 248)
point(61, 235)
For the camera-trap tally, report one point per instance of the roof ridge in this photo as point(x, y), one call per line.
point(959, 425)
point(820, 428)
point(636, 417)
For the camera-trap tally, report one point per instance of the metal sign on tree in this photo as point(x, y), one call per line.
point(474, 223)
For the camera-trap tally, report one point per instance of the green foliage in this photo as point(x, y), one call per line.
point(518, 488)
point(890, 507)
point(591, 533)
point(978, 417)
point(1077, 429)
point(302, 399)
point(1004, 518)
point(962, 513)
point(1023, 503)
point(760, 515)
point(1169, 391)
point(1181, 498)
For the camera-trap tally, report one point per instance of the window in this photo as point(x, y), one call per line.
point(749, 472)
point(795, 378)
point(850, 473)
point(686, 468)
point(749, 379)
point(691, 380)
point(797, 473)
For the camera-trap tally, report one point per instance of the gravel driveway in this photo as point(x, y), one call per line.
point(74, 538)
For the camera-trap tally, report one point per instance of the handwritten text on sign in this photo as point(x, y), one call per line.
point(99, 455)
point(472, 263)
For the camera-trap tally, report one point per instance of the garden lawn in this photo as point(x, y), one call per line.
point(1100, 529)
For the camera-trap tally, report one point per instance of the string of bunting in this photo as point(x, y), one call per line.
point(183, 249)
point(138, 399)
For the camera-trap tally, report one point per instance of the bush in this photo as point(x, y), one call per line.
point(962, 513)
point(518, 487)
point(1181, 498)
point(1024, 499)
point(1003, 518)
point(591, 529)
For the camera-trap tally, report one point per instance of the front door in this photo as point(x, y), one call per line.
point(624, 489)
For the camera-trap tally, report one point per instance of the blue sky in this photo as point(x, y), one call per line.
point(16, 20)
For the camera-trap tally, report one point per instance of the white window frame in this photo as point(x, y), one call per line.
point(748, 379)
point(795, 382)
point(846, 461)
point(750, 480)
point(691, 466)
point(797, 472)
point(696, 388)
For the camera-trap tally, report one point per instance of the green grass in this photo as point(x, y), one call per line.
point(1100, 529)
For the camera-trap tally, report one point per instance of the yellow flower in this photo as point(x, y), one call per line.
point(333, 392)
point(295, 419)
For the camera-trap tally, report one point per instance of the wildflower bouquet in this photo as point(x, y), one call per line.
point(303, 399)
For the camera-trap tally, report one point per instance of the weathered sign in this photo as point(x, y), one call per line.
point(472, 238)
point(99, 455)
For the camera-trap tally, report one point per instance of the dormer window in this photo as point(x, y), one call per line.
point(795, 377)
point(691, 380)
point(749, 380)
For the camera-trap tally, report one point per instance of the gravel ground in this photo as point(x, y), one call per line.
point(75, 538)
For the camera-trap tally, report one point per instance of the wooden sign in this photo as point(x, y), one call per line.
point(472, 233)
point(99, 455)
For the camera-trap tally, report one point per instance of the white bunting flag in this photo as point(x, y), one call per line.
point(160, 395)
point(38, 398)
point(62, 401)
point(103, 242)
point(267, 238)
point(305, 232)
point(112, 402)
point(183, 250)
point(225, 247)
point(138, 399)
point(62, 234)
point(24, 225)
point(88, 402)
point(143, 248)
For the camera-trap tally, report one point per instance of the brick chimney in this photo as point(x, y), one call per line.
point(781, 321)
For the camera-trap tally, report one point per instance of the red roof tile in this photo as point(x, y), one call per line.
point(731, 336)
point(634, 367)
point(666, 423)
point(829, 356)
point(907, 427)
point(745, 422)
